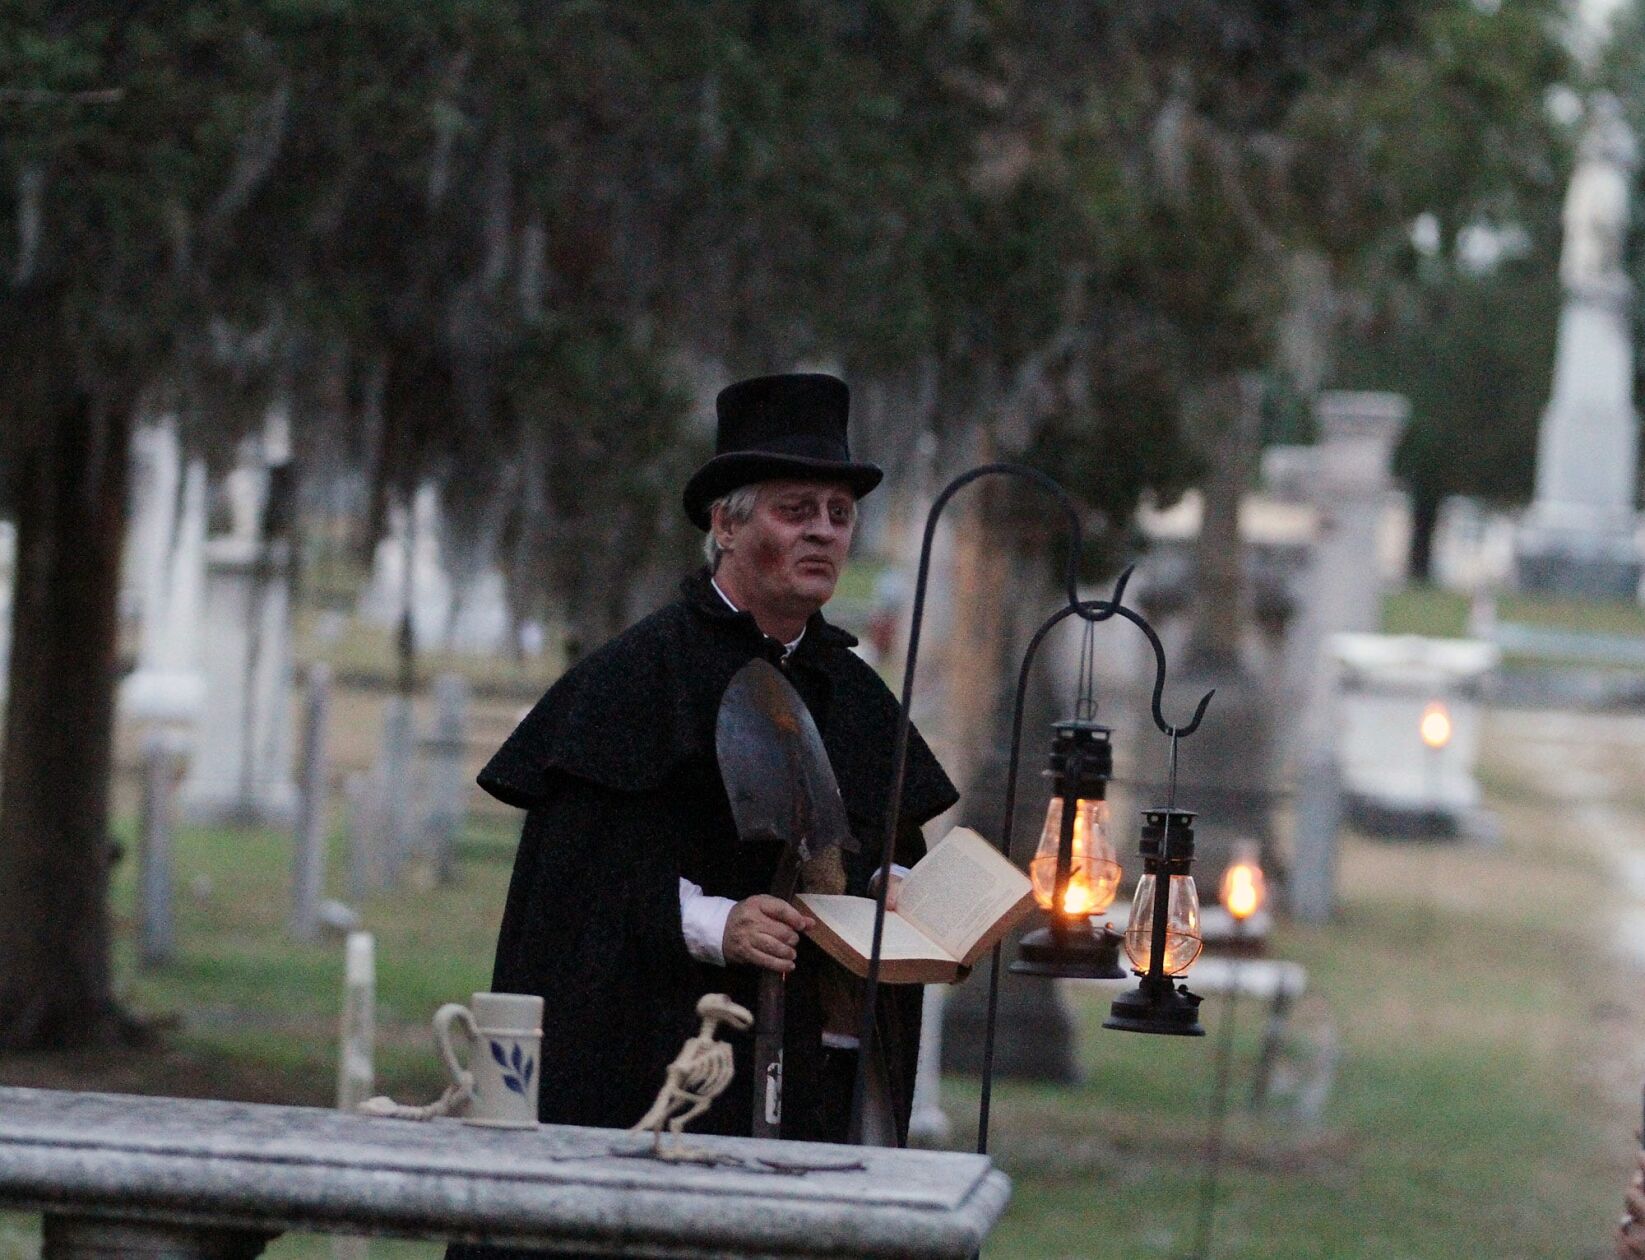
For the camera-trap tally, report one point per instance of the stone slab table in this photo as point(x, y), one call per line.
point(117, 1175)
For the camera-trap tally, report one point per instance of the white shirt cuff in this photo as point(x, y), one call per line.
point(702, 921)
point(901, 872)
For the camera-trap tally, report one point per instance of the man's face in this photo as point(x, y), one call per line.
point(787, 557)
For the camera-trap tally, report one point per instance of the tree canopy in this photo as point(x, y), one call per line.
point(508, 246)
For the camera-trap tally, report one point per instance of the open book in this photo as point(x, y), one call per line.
point(954, 906)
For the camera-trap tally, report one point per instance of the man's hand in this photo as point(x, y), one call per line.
point(891, 893)
point(762, 931)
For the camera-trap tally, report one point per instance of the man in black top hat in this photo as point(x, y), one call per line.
point(631, 894)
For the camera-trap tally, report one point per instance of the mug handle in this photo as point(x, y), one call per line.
point(449, 1014)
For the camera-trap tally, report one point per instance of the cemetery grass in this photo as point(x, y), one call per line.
point(1482, 1103)
point(1430, 610)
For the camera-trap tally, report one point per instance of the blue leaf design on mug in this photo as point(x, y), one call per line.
point(513, 1082)
point(499, 1054)
point(530, 1067)
point(514, 1058)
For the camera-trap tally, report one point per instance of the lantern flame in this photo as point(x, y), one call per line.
point(1093, 873)
point(1435, 726)
point(1079, 897)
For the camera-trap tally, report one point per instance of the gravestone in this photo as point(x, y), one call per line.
point(928, 1123)
point(392, 780)
point(242, 766)
point(364, 830)
point(444, 751)
point(155, 478)
point(163, 759)
point(356, 1052)
point(8, 568)
point(309, 849)
point(355, 1059)
point(168, 685)
point(245, 491)
point(411, 549)
point(1578, 537)
point(1473, 549)
point(1034, 1032)
point(480, 616)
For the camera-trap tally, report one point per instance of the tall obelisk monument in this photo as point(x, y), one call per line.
point(1578, 538)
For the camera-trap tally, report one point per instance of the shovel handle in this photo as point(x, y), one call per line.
point(768, 1057)
point(769, 1017)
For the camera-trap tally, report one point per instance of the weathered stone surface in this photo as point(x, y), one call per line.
point(253, 1168)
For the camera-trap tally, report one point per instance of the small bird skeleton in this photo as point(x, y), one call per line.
point(698, 1075)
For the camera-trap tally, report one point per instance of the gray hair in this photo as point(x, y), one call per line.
point(739, 507)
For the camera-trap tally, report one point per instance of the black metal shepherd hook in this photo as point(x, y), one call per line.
point(1108, 608)
point(1090, 611)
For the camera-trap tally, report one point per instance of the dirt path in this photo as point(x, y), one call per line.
point(1585, 773)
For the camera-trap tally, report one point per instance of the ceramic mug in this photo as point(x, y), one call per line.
point(504, 1035)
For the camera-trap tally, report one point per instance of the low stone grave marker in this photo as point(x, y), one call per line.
point(206, 1180)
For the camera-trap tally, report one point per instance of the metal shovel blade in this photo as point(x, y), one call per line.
point(776, 771)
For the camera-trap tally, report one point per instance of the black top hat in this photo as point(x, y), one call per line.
point(791, 425)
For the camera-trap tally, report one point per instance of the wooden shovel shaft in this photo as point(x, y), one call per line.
point(769, 1019)
point(768, 1056)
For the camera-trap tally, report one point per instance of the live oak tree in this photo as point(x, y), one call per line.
point(121, 146)
point(509, 246)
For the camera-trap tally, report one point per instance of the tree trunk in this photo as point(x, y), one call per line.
point(1424, 521)
point(55, 989)
point(1232, 413)
point(1000, 594)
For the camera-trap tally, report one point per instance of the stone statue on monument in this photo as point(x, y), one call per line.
point(1595, 216)
point(1578, 537)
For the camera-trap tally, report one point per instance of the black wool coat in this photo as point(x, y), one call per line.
point(616, 767)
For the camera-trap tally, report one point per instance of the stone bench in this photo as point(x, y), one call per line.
point(205, 1180)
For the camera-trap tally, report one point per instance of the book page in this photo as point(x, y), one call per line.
point(852, 919)
point(959, 890)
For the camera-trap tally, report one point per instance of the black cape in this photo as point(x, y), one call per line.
point(616, 767)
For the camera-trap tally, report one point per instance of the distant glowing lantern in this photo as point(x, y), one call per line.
point(1435, 725)
point(1243, 887)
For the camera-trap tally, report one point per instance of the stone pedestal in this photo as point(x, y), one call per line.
point(242, 767)
point(1347, 480)
point(1351, 485)
point(1409, 740)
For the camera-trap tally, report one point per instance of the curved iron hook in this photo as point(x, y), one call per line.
point(1175, 732)
point(1113, 607)
point(1076, 537)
